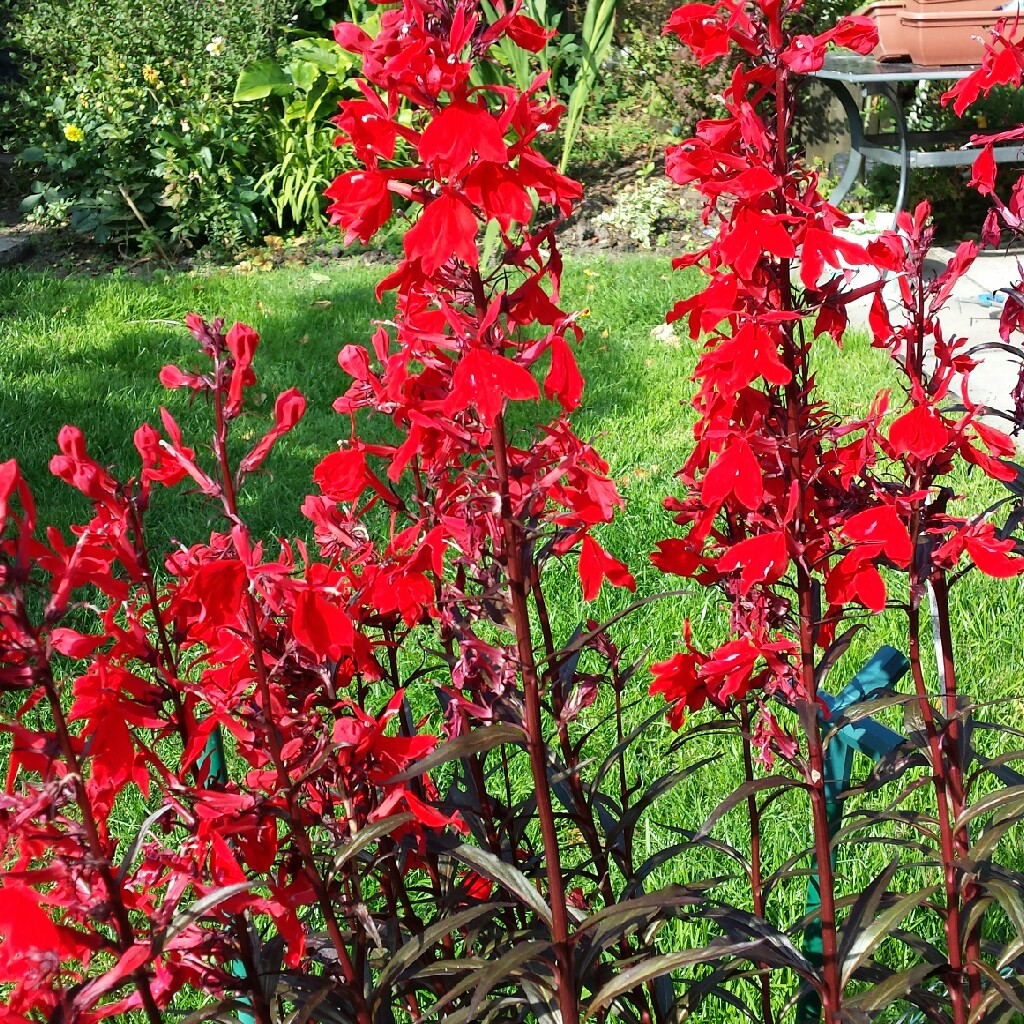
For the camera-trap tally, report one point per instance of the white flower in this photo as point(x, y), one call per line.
point(215, 47)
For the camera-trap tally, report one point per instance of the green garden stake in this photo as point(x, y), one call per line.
point(213, 758)
point(873, 740)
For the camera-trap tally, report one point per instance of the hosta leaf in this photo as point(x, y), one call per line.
point(261, 79)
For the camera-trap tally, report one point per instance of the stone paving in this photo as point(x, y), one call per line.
point(966, 316)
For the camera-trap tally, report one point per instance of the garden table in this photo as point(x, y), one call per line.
point(843, 71)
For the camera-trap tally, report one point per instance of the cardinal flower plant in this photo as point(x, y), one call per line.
point(326, 744)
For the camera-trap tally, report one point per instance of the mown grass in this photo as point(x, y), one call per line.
point(87, 351)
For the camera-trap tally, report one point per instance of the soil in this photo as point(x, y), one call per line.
point(64, 252)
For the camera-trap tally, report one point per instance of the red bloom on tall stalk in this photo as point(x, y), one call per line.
point(802, 520)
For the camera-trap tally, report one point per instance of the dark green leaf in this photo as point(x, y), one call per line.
point(261, 79)
point(508, 877)
point(477, 741)
point(367, 835)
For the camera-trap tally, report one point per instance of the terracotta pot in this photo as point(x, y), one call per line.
point(949, 37)
point(942, 6)
point(893, 42)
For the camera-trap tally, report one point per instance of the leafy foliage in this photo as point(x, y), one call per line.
point(129, 125)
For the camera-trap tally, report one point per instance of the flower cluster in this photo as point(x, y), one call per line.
point(136, 673)
point(778, 491)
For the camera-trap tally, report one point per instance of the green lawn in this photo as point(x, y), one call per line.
point(87, 351)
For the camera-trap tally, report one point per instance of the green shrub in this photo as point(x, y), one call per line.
point(129, 121)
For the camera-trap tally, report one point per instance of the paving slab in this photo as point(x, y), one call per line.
point(15, 249)
point(972, 312)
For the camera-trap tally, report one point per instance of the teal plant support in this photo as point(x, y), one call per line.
point(870, 738)
point(213, 759)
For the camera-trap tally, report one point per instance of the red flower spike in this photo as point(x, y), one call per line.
point(483, 380)
point(456, 133)
point(919, 432)
point(882, 527)
point(763, 560)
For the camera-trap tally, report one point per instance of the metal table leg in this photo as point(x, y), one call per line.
point(853, 115)
point(886, 89)
point(858, 143)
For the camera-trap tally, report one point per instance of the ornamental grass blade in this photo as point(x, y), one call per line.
point(896, 987)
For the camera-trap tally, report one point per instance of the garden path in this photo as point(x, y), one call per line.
point(971, 313)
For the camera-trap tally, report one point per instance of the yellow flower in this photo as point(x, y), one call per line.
point(151, 75)
point(73, 133)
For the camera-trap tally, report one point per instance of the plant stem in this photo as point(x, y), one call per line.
point(955, 760)
point(796, 402)
point(756, 884)
point(125, 931)
point(295, 825)
point(518, 587)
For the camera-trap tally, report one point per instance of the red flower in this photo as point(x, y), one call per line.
point(446, 229)
point(596, 565)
